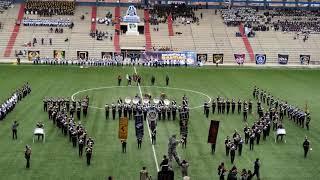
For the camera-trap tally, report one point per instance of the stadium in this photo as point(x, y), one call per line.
point(207, 89)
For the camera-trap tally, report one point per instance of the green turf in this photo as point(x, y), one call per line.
point(56, 159)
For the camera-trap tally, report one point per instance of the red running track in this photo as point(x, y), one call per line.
point(94, 16)
point(116, 39)
point(147, 30)
point(170, 26)
point(15, 32)
point(246, 42)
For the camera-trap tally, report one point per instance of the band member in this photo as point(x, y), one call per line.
point(221, 171)
point(27, 155)
point(124, 145)
point(246, 131)
point(256, 169)
point(81, 145)
point(308, 120)
point(167, 80)
point(232, 152)
point(251, 140)
point(174, 112)
point(227, 145)
point(130, 111)
point(184, 141)
point(154, 136)
point(239, 106)
point(139, 140)
point(107, 109)
point(306, 146)
point(88, 155)
point(228, 106)
point(206, 109)
point(240, 143)
point(45, 104)
point(245, 113)
point(153, 79)
point(213, 106)
point(14, 130)
point(213, 148)
point(119, 80)
point(119, 110)
point(78, 112)
point(113, 107)
point(250, 106)
point(233, 106)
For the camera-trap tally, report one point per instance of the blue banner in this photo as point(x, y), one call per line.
point(139, 126)
point(283, 58)
point(261, 58)
point(170, 57)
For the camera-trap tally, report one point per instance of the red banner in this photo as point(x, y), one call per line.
point(213, 132)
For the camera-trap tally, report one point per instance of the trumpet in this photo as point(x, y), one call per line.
point(135, 100)
point(127, 100)
point(156, 100)
point(166, 102)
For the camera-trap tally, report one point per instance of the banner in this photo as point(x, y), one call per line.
point(82, 55)
point(106, 55)
point(213, 132)
point(168, 57)
point(119, 56)
point(57, 54)
point(139, 126)
point(304, 59)
point(217, 58)
point(283, 59)
point(123, 128)
point(261, 58)
point(33, 54)
point(202, 57)
point(239, 58)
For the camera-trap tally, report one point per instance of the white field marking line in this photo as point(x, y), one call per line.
point(159, 87)
point(153, 149)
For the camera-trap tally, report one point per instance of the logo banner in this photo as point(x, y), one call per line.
point(139, 126)
point(82, 55)
point(106, 55)
point(261, 58)
point(213, 132)
point(304, 59)
point(239, 58)
point(168, 57)
point(123, 128)
point(119, 57)
point(217, 58)
point(283, 58)
point(202, 57)
point(57, 54)
point(33, 54)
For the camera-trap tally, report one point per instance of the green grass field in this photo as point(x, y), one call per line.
point(56, 159)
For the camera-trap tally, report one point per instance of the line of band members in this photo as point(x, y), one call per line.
point(164, 112)
point(281, 108)
point(53, 105)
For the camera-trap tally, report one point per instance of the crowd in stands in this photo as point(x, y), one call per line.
point(297, 26)
point(8, 105)
point(101, 35)
point(50, 8)
point(4, 5)
point(106, 20)
point(56, 30)
point(48, 22)
point(180, 13)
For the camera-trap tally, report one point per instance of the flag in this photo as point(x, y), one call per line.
point(283, 58)
point(304, 59)
point(213, 132)
point(217, 58)
point(123, 128)
point(239, 58)
point(139, 126)
point(261, 58)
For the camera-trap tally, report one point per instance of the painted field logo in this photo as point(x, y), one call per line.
point(261, 58)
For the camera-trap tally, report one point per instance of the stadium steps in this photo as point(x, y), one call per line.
point(14, 33)
point(246, 42)
point(147, 34)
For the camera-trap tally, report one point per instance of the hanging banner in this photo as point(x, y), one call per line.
point(123, 128)
point(202, 57)
point(119, 57)
point(213, 132)
point(239, 58)
point(106, 55)
point(82, 55)
point(139, 126)
point(261, 58)
point(183, 57)
point(304, 59)
point(57, 54)
point(283, 59)
point(33, 54)
point(217, 58)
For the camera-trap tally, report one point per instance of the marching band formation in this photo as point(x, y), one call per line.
point(7, 106)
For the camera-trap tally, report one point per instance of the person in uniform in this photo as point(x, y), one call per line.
point(213, 148)
point(245, 113)
point(88, 155)
point(221, 171)
point(213, 106)
point(78, 112)
point(206, 109)
point(308, 120)
point(233, 106)
point(113, 107)
point(227, 145)
point(251, 140)
point(240, 143)
point(306, 146)
point(124, 145)
point(130, 111)
point(256, 169)
point(27, 155)
point(232, 152)
point(167, 80)
point(154, 136)
point(239, 106)
point(139, 140)
point(250, 106)
point(119, 110)
point(45, 104)
point(228, 105)
point(119, 80)
point(153, 79)
point(81, 145)
point(246, 131)
point(15, 130)
point(174, 112)
point(107, 109)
